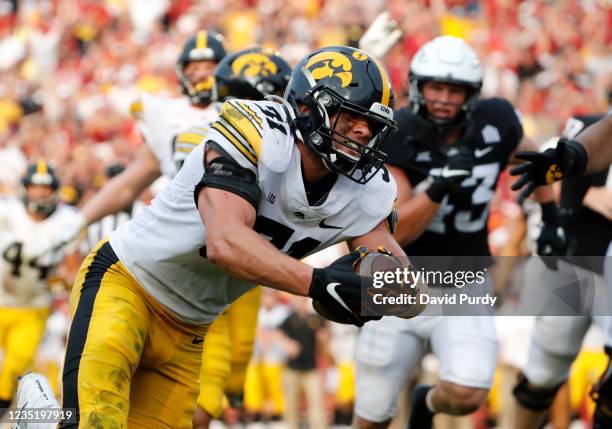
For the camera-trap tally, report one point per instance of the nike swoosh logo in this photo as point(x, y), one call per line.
point(479, 153)
point(331, 289)
point(448, 173)
point(323, 225)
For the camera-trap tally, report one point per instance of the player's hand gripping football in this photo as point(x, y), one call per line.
point(336, 290)
point(380, 37)
point(544, 168)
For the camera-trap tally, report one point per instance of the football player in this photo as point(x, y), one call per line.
point(556, 341)
point(273, 181)
point(248, 74)
point(446, 159)
point(26, 225)
point(253, 73)
point(159, 121)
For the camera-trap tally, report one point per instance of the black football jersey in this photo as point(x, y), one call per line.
point(589, 233)
point(493, 132)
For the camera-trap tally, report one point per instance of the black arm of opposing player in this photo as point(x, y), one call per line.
point(232, 243)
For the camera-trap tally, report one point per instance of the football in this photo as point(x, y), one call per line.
point(383, 262)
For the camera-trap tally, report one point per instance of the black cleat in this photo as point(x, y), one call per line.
point(420, 416)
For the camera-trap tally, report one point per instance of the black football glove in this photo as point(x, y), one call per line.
point(459, 165)
point(543, 168)
point(552, 241)
point(336, 290)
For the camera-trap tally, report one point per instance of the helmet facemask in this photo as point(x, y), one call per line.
point(319, 129)
point(42, 206)
point(198, 93)
point(204, 46)
point(41, 175)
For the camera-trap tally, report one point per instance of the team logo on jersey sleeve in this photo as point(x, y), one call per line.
point(331, 64)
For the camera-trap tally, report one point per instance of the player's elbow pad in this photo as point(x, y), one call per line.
point(228, 175)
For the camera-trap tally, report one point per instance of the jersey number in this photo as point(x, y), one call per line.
point(468, 221)
point(279, 236)
point(273, 118)
point(12, 255)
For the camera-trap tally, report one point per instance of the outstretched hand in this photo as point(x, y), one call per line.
point(380, 37)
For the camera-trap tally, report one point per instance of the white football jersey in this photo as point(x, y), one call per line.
point(161, 119)
point(24, 283)
point(164, 247)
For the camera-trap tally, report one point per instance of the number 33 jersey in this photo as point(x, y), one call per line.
point(164, 247)
point(23, 282)
point(460, 224)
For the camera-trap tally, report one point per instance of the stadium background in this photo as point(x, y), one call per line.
point(71, 68)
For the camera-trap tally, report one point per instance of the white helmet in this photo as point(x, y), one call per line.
point(445, 59)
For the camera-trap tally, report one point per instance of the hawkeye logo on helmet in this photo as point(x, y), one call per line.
point(254, 64)
point(331, 64)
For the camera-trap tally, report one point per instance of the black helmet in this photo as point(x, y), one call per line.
point(40, 173)
point(340, 79)
point(252, 73)
point(204, 46)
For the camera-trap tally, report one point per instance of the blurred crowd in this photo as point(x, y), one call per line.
point(71, 68)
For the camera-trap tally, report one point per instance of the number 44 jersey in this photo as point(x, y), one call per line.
point(164, 247)
point(460, 225)
point(23, 281)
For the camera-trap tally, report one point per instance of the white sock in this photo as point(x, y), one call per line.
point(428, 402)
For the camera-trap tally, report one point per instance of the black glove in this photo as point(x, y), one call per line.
point(458, 167)
point(568, 159)
point(552, 241)
point(336, 290)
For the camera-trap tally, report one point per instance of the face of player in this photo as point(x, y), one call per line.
point(443, 100)
point(39, 193)
point(354, 127)
point(200, 74)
